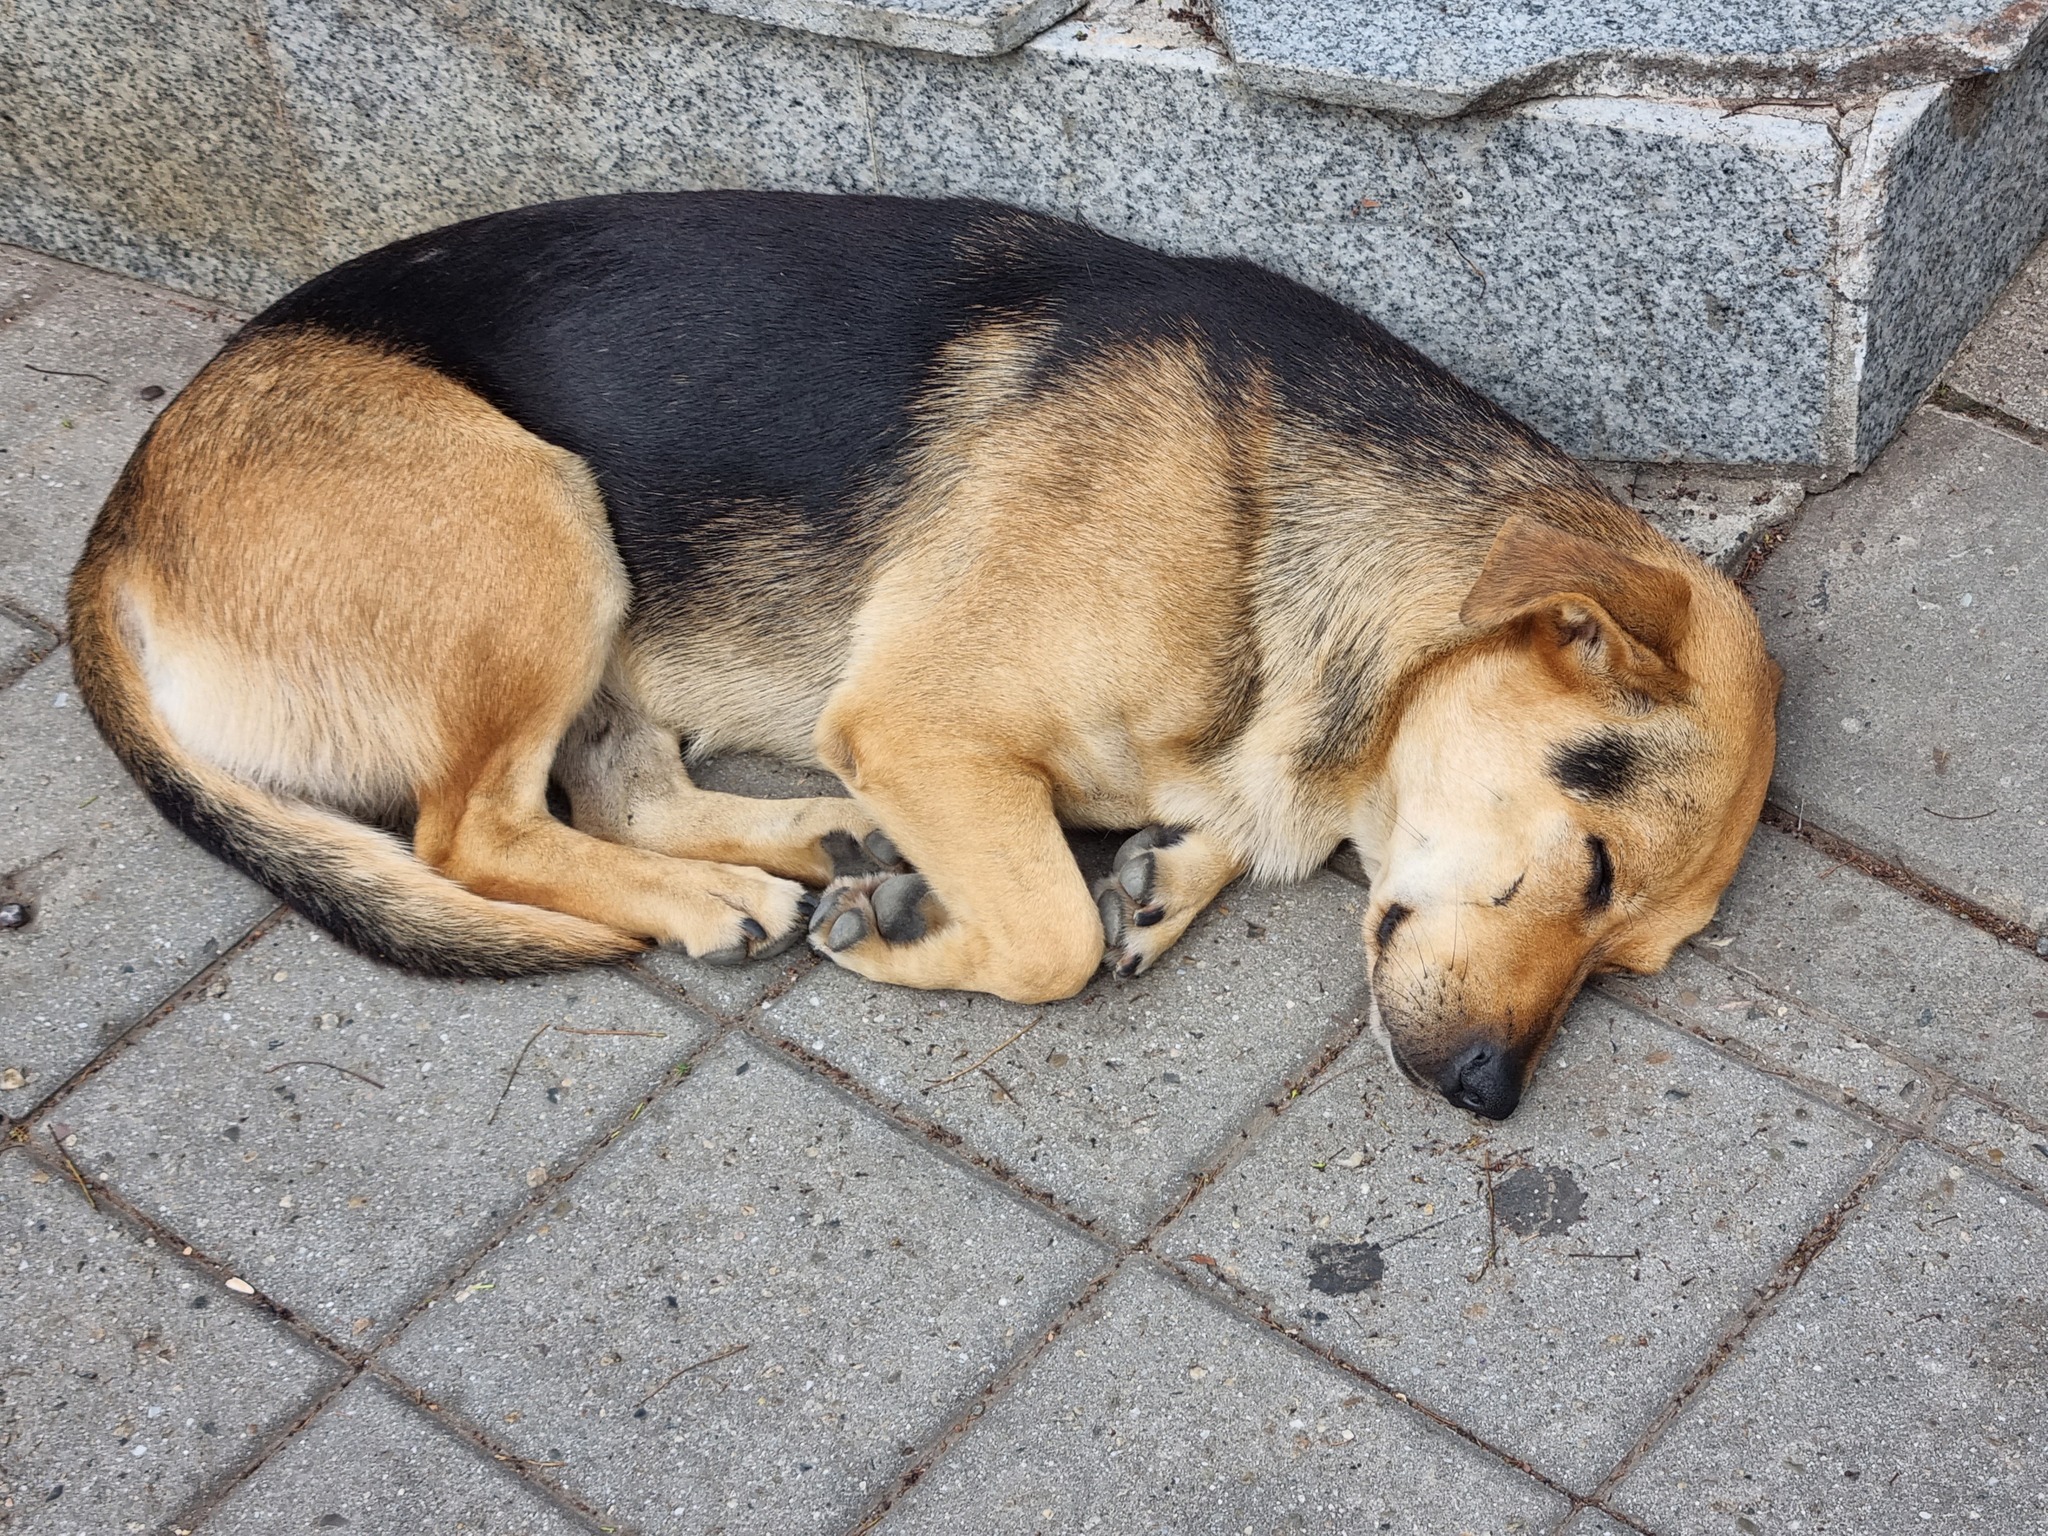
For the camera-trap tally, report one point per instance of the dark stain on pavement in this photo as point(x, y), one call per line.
point(1344, 1269)
point(1539, 1202)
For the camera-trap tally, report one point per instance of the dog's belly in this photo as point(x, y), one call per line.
point(734, 691)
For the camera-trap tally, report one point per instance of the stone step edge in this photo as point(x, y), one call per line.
point(1820, 78)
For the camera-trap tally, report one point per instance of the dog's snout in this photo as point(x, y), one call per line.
point(1484, 1079)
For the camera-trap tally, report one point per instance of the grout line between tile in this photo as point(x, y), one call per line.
point(999, 1385)
point(1953, 402)
point(941, 1139)
point(22, 614)
point(455, 1424)
point(1789, 1272)
point(465, 1264)
point(152, 1016)
point(1217, 1290)
point(1903, 880)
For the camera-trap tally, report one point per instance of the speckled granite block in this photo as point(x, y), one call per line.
point(1433, 59)
point(1515, 248)
point(1647, 278)
point(154, 139)
point(2004, 364)
point(1953, 188)
point(938, 26)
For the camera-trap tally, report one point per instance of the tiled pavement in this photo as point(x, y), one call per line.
point(290, 1242)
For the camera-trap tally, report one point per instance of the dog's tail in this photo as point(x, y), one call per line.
point(362, 885)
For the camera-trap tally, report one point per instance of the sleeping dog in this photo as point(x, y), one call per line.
point(1007, 523)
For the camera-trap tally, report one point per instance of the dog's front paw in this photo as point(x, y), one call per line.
point(756, 922)
point(1135, 902)
point(874, 909)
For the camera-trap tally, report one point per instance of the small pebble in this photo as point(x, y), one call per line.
point(15, 915)
point(12, 1078)
point(240, 1286)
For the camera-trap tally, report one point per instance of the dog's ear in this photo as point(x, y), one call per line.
point(1610, 617)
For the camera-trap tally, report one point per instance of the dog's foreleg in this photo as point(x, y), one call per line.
point(1162, 879)
point(996, 903)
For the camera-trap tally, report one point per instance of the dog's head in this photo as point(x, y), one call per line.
point(1566, 795)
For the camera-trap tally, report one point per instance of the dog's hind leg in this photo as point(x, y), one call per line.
point(627, 783)
point(997, 903)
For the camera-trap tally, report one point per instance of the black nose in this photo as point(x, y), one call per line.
point(1484, 1079)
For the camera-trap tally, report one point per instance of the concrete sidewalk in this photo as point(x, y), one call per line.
point(291, 1242)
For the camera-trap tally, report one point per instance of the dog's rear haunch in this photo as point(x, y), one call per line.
point(1005, 522)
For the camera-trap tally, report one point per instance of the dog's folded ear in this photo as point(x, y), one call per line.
point(1610, 617)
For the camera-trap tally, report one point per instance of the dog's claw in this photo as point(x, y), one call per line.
point(1136, 877)
point(1112, 910)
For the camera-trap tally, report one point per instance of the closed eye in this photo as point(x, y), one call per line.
point(1392, 918)
point(1600, 889)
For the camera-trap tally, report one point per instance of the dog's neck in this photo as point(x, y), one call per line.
point(1360, 575)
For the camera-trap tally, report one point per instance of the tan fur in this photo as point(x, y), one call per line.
point(420, 647)
point(1057, 626)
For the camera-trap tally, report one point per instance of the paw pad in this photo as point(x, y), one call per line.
point(899, 908)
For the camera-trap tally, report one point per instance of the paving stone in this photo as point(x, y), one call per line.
point(1646, 1186)
point(66, 432)
point(18, 644)
point(1590, 1522)
point(243, 1121)
point(795, 1292)
point(2005, 361)
point(129, 1381)
point(1909, 610)
point(728, 991)
point(1902, 1385)
point(1717, 517)
point(371, 1462)
point(1733, 1011)
point(1160, 1412)
point(1996, 1137)
point(122, 908)
point(1834, 962)
point(1114, 1100)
